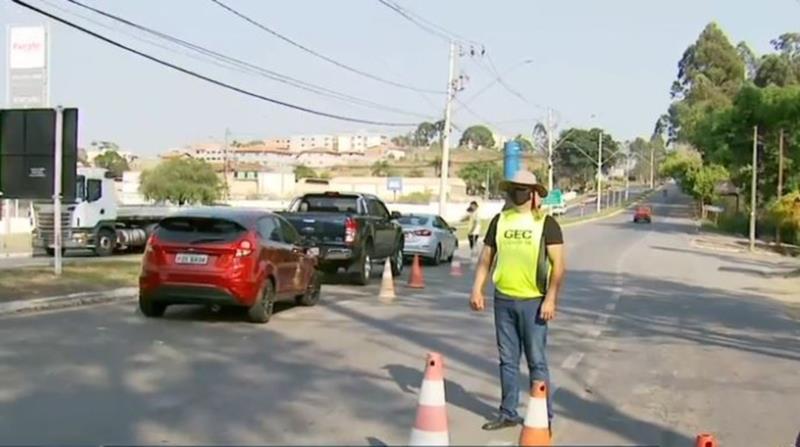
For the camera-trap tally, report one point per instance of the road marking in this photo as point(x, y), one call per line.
point(572, 360)
point(611, 306)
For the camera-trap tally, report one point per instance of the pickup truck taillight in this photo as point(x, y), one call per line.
point(350, 229)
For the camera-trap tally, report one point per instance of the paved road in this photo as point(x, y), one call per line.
point(588, 206)
point(654, 342)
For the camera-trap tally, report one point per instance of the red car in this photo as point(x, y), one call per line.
point(643, 214)
point(227, 257)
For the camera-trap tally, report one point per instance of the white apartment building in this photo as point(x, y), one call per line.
point(265, 157)
point(359, 142)
point(300, 143)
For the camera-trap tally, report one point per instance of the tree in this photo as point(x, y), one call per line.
point(786, 213)
point(749, 59)
point(710, 73)
point(425, 134)
point(477, 174)
point(115, 163)
point(181, 181)
point(575, 160)
point(382, 169)
point(477, 137)
point(525, 144)
point(302, 171)
point(436, 164)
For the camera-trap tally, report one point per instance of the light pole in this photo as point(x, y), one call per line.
point(446, 139)
point(599, 171)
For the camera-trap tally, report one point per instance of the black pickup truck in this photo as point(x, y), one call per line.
point(353, 231)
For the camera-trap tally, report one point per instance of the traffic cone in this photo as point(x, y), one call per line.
point(705, 440)
point(430, 425)
point(455, 267)
point(387, 283)
point(536, 429)
point(415, 280)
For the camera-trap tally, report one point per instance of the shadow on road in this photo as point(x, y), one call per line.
point(409, 380)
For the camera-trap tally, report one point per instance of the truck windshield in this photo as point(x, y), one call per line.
point(198, 229)
point(325, 203)
point(80, 188)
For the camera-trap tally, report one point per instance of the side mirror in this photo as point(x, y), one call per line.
point(396, 215)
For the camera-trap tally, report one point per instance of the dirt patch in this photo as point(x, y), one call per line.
point(39, 282)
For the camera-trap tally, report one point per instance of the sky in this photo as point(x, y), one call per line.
point(606, 63)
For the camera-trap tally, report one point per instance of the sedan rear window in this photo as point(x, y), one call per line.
point(195, 230)
point(414, 220)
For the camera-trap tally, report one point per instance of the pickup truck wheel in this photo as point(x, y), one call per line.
point(52, 251)
point(365, 269)
point(397, 262)
point(106, 240)
point(261, 311)
point(311, 295)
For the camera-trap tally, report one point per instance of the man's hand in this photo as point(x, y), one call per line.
point(548, 309)
point(477, 302)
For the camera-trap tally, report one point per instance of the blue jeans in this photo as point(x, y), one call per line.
point(519, 327)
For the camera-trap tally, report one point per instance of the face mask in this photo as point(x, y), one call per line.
point(519, 196)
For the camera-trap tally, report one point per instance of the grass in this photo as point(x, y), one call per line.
point(89, 276)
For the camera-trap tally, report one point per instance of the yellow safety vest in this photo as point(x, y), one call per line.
point(522, 269)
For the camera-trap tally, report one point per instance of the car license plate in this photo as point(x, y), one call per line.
point(191, 258)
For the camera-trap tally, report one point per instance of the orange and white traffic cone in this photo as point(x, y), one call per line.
point(430, 425)
point(387, 283)
point(416, 280)
point(536, 428)
point(705, 440)
point(455, 267)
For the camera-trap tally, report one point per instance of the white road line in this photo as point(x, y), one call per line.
point(572, 360)
point(611, 306)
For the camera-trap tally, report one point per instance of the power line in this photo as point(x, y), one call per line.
point(425, 24)
point(236, 64)
point(204, 77)
point(317, 54)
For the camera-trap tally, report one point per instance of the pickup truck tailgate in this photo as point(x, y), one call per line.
point(320, 227)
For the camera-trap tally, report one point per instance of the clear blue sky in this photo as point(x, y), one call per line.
point(614, 59)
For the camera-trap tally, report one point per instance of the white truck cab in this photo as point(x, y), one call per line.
point(94, 220)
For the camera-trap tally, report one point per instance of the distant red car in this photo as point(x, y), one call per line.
point(643, 214)
point(227, 257)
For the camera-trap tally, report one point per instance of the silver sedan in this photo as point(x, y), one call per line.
point(428, 236)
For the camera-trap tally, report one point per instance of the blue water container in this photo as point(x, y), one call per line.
point(511, 158)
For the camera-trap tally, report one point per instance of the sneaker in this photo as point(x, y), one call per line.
point(501, 422)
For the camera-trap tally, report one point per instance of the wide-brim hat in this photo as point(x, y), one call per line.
point(524, 178)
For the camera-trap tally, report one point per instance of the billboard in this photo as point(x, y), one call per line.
point(27, 67)
point(27, 152)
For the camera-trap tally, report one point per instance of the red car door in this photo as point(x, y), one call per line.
point(296, 262)
point(277, 254)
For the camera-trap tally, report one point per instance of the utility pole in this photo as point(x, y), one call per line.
point(549, 150)
point(225, 163)
point(780, 183)
point(627, 174)
point(652, 165)
point(753, 191)
point(600, 171)
point(446, 138)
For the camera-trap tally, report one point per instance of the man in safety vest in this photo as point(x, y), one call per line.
point(527, 246)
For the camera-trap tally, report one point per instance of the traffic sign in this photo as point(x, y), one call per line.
point(394, 184)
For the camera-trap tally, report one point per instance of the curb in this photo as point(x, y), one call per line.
point(67, 301)
point(16, 255)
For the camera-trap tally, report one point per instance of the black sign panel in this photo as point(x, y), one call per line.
point(27, 151)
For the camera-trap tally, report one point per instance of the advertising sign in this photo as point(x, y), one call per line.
point(27, 67)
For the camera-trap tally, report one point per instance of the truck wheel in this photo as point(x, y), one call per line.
point(261, 311)
point(364, 272)
point(397, 262)
point(150, 309)
point(106, 240)
point(311, 296)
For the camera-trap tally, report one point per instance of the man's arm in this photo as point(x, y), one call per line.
point(555, 253)
point(477, 301)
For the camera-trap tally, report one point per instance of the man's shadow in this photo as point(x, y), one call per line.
point(410, 379)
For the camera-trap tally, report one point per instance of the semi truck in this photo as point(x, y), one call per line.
point(96, 220)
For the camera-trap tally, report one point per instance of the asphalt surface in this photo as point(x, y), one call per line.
point(588, 205)
point(654, 342)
